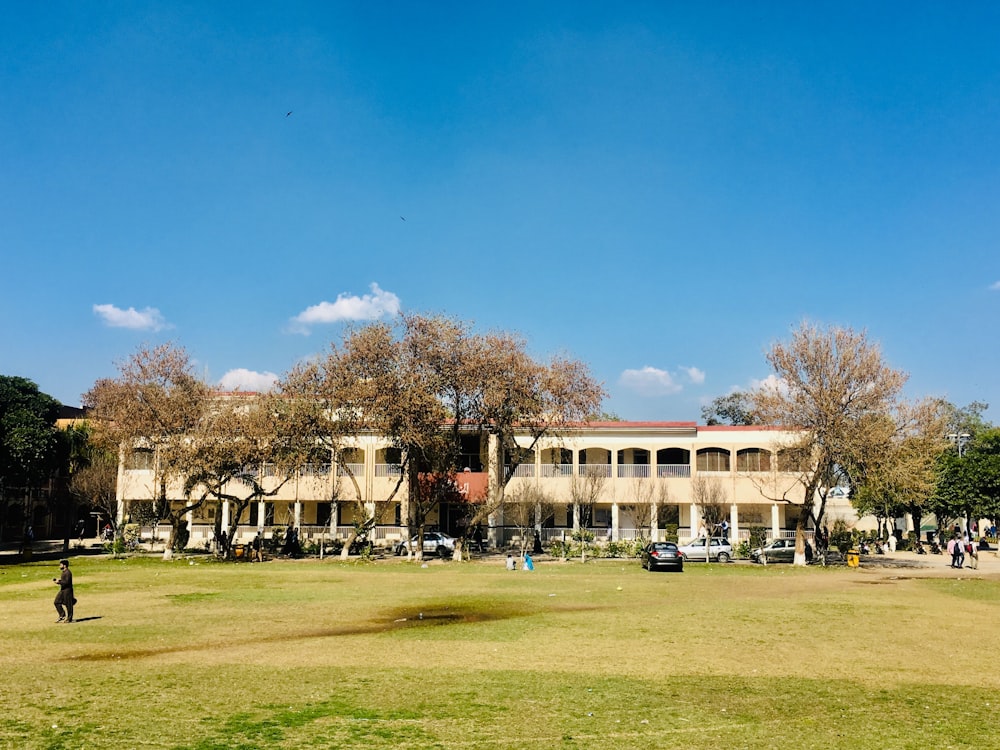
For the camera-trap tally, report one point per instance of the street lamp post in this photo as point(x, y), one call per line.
point(960, 439)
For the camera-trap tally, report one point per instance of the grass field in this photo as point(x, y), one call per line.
point(306, 654)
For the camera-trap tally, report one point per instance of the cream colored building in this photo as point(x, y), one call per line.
point(621, 480)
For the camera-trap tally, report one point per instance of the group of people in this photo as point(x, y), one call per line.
point(961, 545)
point(529, 564)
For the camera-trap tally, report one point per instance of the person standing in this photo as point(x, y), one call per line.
point(477, 538)
point(973, 553)
point(65, 599)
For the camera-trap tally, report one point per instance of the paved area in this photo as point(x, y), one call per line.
point(989, 564)
point(937, 565)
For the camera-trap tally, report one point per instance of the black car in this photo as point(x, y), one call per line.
point(662, 556)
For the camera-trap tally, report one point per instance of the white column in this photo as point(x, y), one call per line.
point(734, 521)
point(225, 515)
point(775, 521)
point(695, 521)
point(297, 514)
point(261, 507)
point(654, 522)
point(614, 521)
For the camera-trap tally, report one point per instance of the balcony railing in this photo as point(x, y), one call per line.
point(522, 470)
point(633, 471)
point(358, 470)
point(315, 470)
point(671, 471)
point(557, 470)
point(594, 470)
point(388, 470)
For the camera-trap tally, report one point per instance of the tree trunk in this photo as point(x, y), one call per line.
point(800, 541)
point(345, 553)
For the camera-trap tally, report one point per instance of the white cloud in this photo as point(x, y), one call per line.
point(995, 286)
point(242, 379)
point(771, 383)
point(148, 319)
point(649, 381)
point(378, 304)
point(696, 376)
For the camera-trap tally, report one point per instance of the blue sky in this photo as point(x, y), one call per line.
point(659, 189)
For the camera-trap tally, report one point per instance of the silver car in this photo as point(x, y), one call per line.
point(435, 542)
point(719, 550)
point(779, 550)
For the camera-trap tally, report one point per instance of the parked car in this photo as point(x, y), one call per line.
point(778, 550)
point(719, 550)
point(435, 542)
point(662, 556)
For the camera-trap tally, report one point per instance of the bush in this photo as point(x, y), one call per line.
point(841, 537)
point(621, 549)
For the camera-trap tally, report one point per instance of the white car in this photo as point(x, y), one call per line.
point(719, 550)
point(435, 542)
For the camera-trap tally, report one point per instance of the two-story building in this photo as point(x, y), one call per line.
point(619, 480)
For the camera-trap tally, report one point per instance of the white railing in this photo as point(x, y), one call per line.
point(670, 471)
point(630, 535)
point(594, 470)
point(388, 470)
point(315, 470)
point(633, 471)
point(522, 470)
point(358, 470)
point(556, 470)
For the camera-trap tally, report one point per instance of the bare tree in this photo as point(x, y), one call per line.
point(358, 387)
point(709, 495)
point(528, 507)
point(423, 384)
point(585, 489)
point(155, 404)
point(240, 440)
point(832, 388)
point(95, 485)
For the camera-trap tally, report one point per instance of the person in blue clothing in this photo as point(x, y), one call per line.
point(528, 564)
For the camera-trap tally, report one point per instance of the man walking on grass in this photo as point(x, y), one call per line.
point(64, 599)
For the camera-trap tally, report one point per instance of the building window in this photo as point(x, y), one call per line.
point(713, 459)
point(141, 460)
point(753, 459)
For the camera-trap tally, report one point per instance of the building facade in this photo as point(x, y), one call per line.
point(618, 480)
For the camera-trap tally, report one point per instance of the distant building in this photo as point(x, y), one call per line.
point(640, 479)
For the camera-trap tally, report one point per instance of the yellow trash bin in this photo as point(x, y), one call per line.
point(853, 558)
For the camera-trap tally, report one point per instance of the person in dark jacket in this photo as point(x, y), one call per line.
point(65, 600)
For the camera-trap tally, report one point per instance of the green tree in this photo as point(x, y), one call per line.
point(969, 484)
point(900, 474)
point(31, 447)
point(736, 408)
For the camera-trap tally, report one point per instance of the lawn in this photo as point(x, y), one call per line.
point(307, 654)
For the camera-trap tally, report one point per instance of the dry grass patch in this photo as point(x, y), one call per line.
point(321, 654)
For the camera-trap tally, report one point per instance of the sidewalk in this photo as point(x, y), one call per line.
point(989, 563)
point(48, 549)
